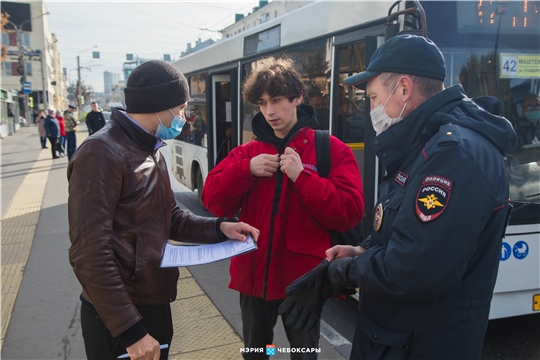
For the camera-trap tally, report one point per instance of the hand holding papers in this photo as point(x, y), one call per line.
point(179, 255)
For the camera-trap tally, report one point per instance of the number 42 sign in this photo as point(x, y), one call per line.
point(520, 66)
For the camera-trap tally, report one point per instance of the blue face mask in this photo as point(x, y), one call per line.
point(533, 116)
point(165, 133)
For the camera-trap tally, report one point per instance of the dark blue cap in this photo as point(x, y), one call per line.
point(403, 54)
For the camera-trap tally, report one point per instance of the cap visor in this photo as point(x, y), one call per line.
point(359, 80)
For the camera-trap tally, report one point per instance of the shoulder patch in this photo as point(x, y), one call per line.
point(401, 178)
point(432, 197)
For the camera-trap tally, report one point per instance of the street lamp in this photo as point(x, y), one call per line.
point(22, 65)
point(79, 79)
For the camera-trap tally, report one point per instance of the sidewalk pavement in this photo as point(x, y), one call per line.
point(40, 294)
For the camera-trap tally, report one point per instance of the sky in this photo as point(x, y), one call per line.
point(145, 29)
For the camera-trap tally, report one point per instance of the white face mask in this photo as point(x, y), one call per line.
point(380, 119)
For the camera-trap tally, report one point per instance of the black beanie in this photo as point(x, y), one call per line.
point(155, 86)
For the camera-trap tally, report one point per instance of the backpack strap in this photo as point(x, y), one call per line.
point(322, 147)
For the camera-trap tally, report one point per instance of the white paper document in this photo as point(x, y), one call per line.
point(188, 255)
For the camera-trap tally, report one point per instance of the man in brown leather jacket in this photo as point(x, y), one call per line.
point(122, 210)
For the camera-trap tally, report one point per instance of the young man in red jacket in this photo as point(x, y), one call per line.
point(273, 181)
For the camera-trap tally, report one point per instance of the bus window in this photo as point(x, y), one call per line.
point(319, 100)
point(249, 110)
point(312, 61)
point(223, 118)
point(349, 125)
point(195, 132)
point(483, 45)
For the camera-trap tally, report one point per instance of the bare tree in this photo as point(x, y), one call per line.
point(86, 91)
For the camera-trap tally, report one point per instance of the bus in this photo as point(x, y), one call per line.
point(491, 48)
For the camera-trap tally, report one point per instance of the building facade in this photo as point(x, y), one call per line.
point(264, 12)
point(110, 80)
point(28, 29)
point(199, 45)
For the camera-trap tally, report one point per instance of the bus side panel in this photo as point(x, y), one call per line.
point(182, 170)
point(519, 272)
point(179, 170)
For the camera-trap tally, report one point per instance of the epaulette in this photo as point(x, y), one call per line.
point(448, 134)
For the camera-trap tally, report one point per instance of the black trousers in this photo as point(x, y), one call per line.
point(99, 343)
point(54, 146)
point(259, 317)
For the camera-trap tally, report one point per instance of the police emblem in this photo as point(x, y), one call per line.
point(377, 217)
point(432, 197)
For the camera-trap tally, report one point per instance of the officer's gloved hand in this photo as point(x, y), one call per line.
point(342, 277)
point(306, 297)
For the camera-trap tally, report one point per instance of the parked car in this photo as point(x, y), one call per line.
point(106, 115)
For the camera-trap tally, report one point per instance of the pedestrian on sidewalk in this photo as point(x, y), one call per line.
point(95, 119)
point(274, 183)
point(40, 121)
point(122, 210)
point(70, 125)
point(62, 140)
point(52, 127)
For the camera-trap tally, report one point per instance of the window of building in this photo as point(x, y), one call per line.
point(26, 39)
point(6, 69)
point(275, 14)
point(28, 69)
point(5, 39)
point(12, 39)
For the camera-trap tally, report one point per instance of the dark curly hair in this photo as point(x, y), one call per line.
point(275, 76)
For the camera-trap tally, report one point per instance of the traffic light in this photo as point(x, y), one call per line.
point(82, 100)
point(31, 102)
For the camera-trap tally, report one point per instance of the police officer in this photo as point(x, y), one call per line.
point(70, 125)
point(427, 272)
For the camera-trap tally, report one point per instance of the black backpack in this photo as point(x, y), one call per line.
point(322, 145)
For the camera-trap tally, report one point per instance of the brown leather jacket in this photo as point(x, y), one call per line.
point(122, 210)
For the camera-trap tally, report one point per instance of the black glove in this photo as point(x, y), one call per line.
point(342, 276)
point(306, 298)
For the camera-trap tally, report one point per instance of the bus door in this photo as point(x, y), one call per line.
point(222, 113)
point(350, 120)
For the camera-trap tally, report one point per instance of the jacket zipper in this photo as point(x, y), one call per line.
point(162, 193)
point(275, 207)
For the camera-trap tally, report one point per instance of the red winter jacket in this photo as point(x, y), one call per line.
point(61, 123)
point(294, 223)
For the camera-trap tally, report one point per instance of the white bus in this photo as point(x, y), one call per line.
point(490, 47)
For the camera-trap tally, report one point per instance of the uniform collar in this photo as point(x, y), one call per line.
point(393, 146)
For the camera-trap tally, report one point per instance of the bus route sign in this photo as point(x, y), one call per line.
point(520, 65)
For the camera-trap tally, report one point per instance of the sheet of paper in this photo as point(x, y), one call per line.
point(188, 255)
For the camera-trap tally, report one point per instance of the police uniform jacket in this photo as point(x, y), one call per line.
point(427, 278)
point(293, 217)
point(70, 124)
point(122, 210)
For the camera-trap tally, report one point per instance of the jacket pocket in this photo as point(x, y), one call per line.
point(124, 253)
point(378, 338)
point(391, 207)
